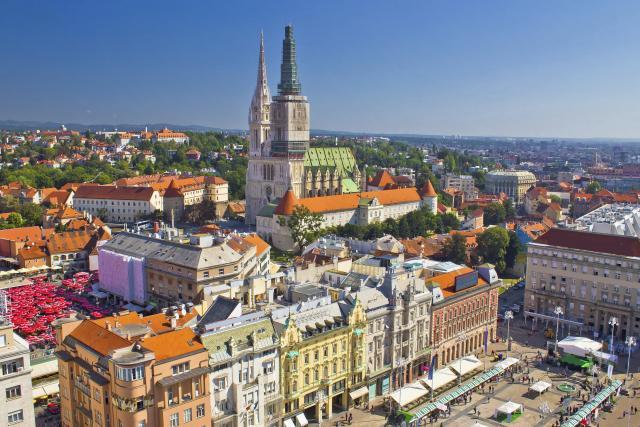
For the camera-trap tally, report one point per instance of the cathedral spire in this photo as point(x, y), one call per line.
point(289, 84)
point(261, 96)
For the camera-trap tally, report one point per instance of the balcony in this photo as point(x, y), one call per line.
point(82, 387)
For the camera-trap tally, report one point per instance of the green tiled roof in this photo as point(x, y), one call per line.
point(349, 186)
point(340, 158)
point(267, 210)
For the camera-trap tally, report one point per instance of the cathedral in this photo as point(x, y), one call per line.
point(279, 154)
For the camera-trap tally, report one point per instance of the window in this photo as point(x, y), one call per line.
point(206, 274)
point(13, 392)
point(268, 367)
point(130, 374)
point(219, 383)
point(15, 417)
point(142, 423)
point(188, 415)
point(12, 366)
point(174, 420)
point(199, 411)
point(221, 271)
point(180, 368)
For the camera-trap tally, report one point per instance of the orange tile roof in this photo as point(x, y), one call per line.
point(173, 344)
point(71, 241)
point(23, 234)
point(447, 281)
point(428, 190)
point(31, 252)
point(98, 338)
point(257, 241)
point(159, 323)
point(342, 202)
point(382, 179)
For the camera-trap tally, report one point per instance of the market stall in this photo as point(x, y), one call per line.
point(408, 394)
point(508, 411)
point(540, 387)
point(466, 364)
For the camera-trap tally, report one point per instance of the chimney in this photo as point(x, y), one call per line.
point(174, 322)
point(108, 325)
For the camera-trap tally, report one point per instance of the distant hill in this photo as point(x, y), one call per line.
point(17, 125)
point(28, 125)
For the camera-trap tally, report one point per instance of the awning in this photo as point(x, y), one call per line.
point(362, 391)
point(46, 390)
point(540, 386)
point(504, 364)
point(441, 406)
point(465, 364)
point(289, 423)
point(409, 393)
point(440, 378)
point(302, 420)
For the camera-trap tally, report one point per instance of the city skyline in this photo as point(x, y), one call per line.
point(464, 69)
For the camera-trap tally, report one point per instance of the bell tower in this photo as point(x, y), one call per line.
point(259, 120)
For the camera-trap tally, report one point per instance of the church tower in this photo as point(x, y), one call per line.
point(279, 134)
point(259, 110)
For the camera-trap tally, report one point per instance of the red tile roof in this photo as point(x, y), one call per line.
point(114, 192)
point(593, 242)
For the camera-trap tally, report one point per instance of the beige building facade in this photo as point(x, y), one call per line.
point(514, 184)
point(592, 277)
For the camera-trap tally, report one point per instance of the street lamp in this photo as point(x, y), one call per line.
point(558, 312)
point(461, 339)
point(613, 322)
point(400, 367)
point(508, 315)
point(630, 342)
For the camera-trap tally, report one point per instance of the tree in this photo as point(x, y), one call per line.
point(449, 222)
point(305, 226)
point(494, 213)
point(455, 249)
point(513, 248)
point(555, 199)
point(509, 210)
point(594, 187)
point(492, 247)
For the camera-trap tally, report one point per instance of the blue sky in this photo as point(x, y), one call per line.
point(512, 67)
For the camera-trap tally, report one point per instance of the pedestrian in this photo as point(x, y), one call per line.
point(350, 418)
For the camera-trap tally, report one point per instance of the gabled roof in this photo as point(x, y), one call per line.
point(382, 179)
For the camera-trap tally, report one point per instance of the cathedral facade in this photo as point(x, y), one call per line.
point(279, 154)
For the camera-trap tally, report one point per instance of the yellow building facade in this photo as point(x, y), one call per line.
point(323, 361)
